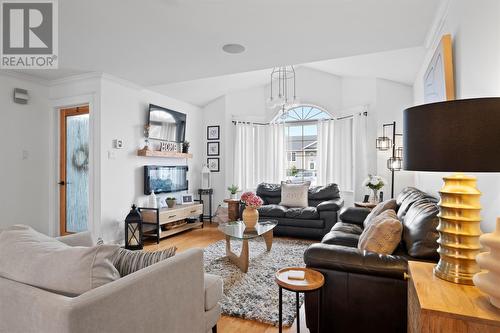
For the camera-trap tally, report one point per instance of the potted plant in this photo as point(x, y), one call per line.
point(374, 183)
point(233, 189)
point(185, 147)
point(171, 202)
point(250, 214)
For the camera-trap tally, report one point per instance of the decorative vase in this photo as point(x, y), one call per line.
point(488, 280)
point(250, 217)
point(374, 196)
point(233, 196)
point(171, 203)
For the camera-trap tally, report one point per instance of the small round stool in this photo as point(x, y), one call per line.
point(313, 281)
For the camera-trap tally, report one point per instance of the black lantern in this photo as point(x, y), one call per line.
point(133, 230)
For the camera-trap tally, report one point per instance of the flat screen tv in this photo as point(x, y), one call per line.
point(166, 124)
point(165, 179)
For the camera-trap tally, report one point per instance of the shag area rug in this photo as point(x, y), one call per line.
point(254, 295)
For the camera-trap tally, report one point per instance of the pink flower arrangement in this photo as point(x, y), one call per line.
point(250, 199)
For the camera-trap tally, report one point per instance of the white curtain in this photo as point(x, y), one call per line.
point(335, 153)
point(259, 154)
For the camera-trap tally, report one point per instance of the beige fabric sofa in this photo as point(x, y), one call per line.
point(172, 296)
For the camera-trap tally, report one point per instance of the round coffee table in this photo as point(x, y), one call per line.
point(313, 281)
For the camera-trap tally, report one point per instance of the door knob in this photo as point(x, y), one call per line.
point(62, 183)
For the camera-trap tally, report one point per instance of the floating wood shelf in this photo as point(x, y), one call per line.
point(157, 153)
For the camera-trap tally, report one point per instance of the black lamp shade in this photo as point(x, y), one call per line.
point(454, 136)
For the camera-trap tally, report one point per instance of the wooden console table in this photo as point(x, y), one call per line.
point(153, 219)
point(436, 305)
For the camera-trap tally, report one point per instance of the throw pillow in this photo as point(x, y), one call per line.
point(30, 257)
point(127, 262)
point(378, 209)
point(294, 195)
point(382, 235)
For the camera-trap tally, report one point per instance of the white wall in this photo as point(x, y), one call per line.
point(475, 29)
point(24, 133)
point(392, 99)
point(123, 116)
point(386, 100)
point(214, 114)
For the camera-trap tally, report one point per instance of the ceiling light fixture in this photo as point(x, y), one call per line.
point(233, 48)
point(283, 94)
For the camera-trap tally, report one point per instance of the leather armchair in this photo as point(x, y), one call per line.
point(366, 291)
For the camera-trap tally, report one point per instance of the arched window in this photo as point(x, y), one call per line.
point(301, 134)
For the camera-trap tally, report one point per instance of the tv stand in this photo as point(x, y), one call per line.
point(163, 222)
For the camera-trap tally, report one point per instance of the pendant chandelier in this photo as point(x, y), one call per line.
point(283, 92)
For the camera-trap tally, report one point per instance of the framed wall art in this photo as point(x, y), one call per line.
point(213, 132)
point(439, 82)
point(213, 164)
point(213, 148)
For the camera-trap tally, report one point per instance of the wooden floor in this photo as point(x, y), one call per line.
point(201, 238)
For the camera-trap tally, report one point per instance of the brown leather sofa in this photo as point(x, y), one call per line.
point(365, 291)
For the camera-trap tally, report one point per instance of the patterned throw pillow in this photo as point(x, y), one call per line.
point(383, 234)
point(379, 209)
point(294, 195)
point(127, 262)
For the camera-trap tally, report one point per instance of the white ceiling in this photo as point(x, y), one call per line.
point(153, 42)
point(398, 65)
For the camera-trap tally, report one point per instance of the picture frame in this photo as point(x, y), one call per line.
point(213, 164)
point(439, 81)
point(213, 148)
point(187, 199)
point(213, 132)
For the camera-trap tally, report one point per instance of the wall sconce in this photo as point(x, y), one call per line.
point(21, 96)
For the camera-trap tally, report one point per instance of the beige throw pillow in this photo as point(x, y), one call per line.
point(383, 234)
point(378, 209)
point(30, 257)
point(294, 195)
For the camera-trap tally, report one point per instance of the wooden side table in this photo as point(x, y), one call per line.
point(233, 209)
point(436, 305)
point(313, 281)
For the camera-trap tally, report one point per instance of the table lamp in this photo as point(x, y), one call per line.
point(456, 136)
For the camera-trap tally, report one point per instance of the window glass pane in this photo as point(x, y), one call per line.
point(302, 142)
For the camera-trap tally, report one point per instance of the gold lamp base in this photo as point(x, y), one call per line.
point(459, 229)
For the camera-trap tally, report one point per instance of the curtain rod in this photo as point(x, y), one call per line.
point(364, 113)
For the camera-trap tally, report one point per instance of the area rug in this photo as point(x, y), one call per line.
point(254, 295)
